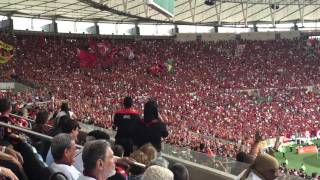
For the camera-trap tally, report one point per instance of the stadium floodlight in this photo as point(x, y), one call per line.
point(210, 2)
point(274, 6)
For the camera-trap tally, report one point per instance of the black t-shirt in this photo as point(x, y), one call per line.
point(151, 132)
point(124, 121)
point(4, 132)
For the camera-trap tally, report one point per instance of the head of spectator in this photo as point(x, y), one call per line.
point(140, 157)
point(65, 107)
point(157, 173)
point(258, 137)
point(150, 111)
point(98, 160)
point(241, 156)
point(180, 172)
point(314, 176)
point(97, 135)
point(69, 126)
point(42, 117)
point(5, 106)
point(128, 102)
point(160, 161)
point(266, 166)
point(244, 158)
point(63, 149)
point(118, 150)
point(40, 125)
point(149, 150)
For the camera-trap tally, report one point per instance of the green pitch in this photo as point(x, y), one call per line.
point(311, 161)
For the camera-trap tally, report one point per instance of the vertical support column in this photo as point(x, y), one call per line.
point(146, 9)
point(176, 29)
point(125, 5)
point(255, 28)
point(301, 11)
point(295, 26)
point(244, 12)
point(216, 29)
point(137, 29)
point(55, 26)
point(272, 12)
point(97, 28)
point(192, 7)
point(218, 12)
point(10, 21)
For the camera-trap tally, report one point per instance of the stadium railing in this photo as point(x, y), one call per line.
point(200, 165)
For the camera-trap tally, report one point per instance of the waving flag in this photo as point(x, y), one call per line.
point(6, 53)
point(102, 48)
point(87, 60)
point(130, 53)
point(169, 65)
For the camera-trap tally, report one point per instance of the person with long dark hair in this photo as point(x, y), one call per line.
point(64, 111)
point(152, 129)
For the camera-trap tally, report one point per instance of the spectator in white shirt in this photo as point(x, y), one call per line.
point(92, 135)
point(68, 126)
point(98, 161)
point(63, 149)
point(65, 111)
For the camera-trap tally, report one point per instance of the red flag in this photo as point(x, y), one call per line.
point(92, 44)
point(42, 41)
point(86, 59)
point(108, 60)
point(102, 49)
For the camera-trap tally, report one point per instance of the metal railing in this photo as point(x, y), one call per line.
point(168, 152)
point(49, 138)
point(28, 119)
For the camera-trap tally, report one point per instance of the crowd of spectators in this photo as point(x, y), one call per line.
point(264, 64)
point(210, 92)
point(65, 161)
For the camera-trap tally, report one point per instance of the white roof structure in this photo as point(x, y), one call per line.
point(185, 12)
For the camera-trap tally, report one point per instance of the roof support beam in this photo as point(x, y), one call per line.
point(182, 12)
point(146, 8)
point(216, 6)
point(283, 7)
point(272, 12)
point(296, 11)
point(301, 11)
point(236, 13)
point(194, 11)
point(38, 5)
point(261, 11)
point(218, 11)
point(13, 4)
point(312, 11)
point(192, 6)
point(176, 16)
point(93, 12)
point(245, 12)
point(125, 5)
point(59, 8)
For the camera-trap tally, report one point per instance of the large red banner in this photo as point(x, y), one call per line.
point(307, 149)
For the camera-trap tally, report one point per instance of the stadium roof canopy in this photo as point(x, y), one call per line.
point(185, 11)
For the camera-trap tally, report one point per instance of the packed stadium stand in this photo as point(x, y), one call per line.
point(191, 105)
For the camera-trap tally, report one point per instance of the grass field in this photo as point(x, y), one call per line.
point(311, 161)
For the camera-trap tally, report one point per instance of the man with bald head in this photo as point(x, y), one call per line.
point(265, 167)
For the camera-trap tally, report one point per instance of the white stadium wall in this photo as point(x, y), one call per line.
point(186, 37)
point(218, 36)
point(258, 36)
point(232, 36)
point(289, 35)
